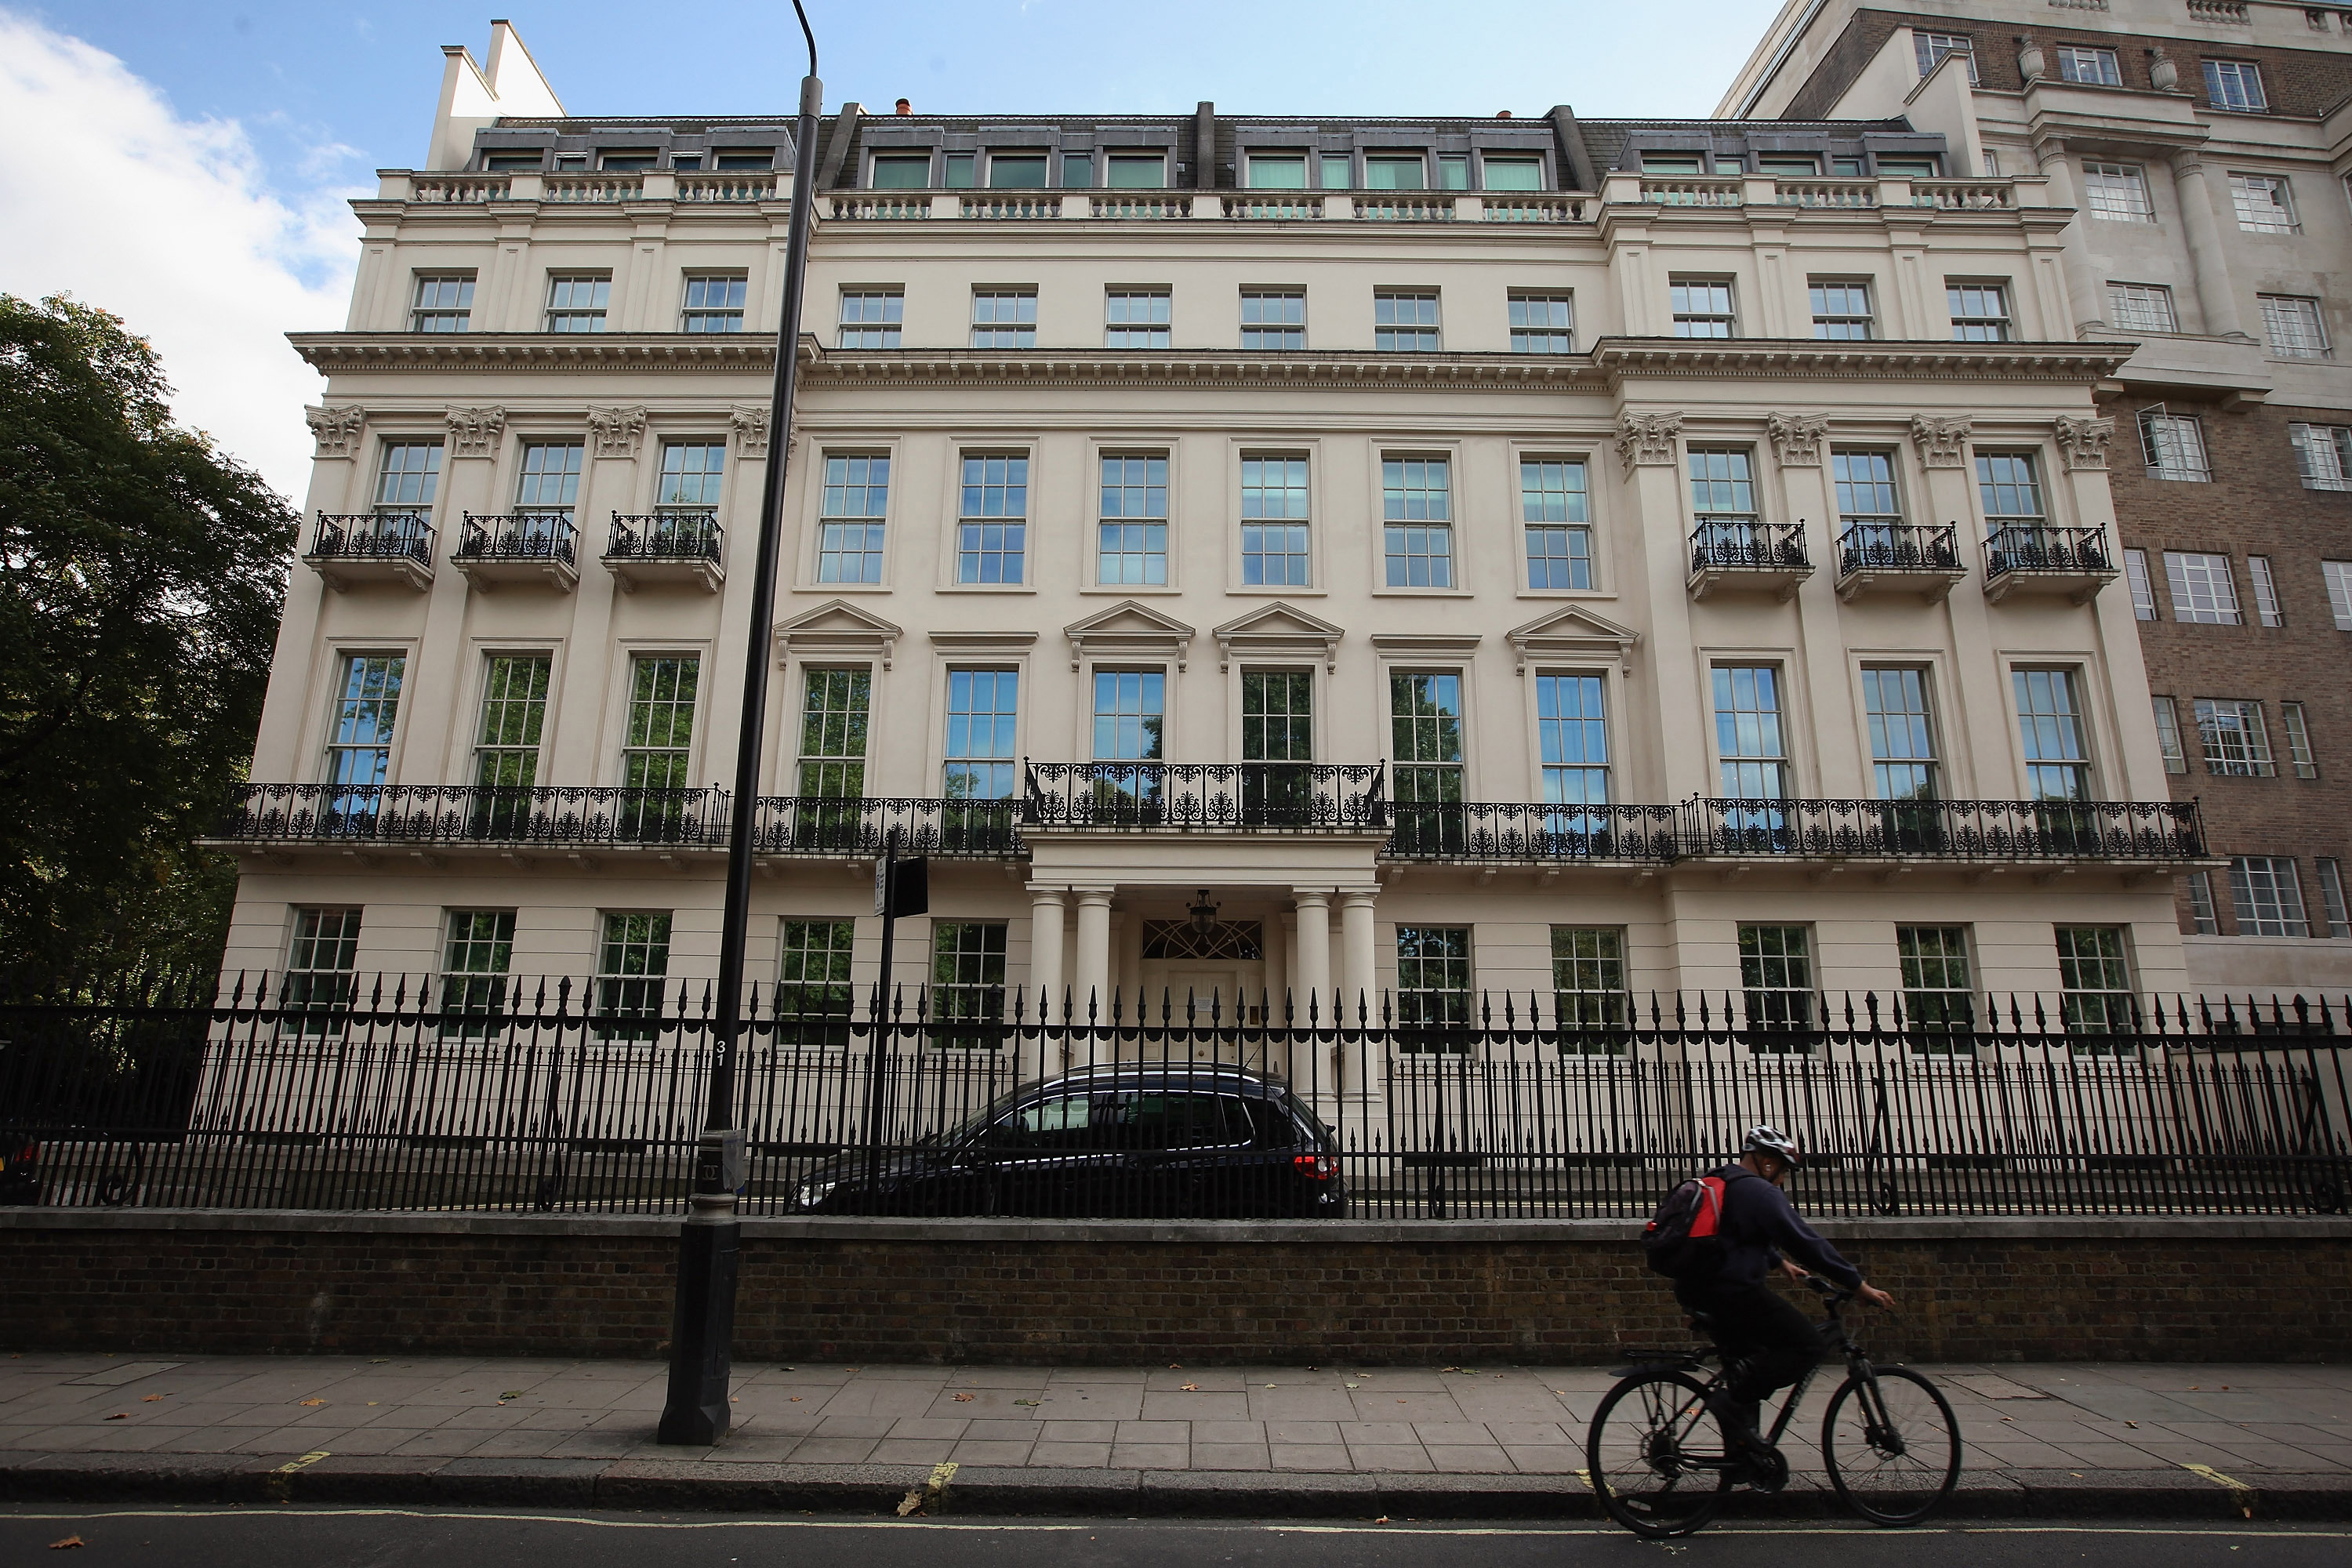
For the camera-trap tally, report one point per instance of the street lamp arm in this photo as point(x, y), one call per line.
point(807, 34)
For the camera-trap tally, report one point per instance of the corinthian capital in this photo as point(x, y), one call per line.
point(1647, 440)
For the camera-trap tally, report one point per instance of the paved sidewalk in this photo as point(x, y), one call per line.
point(2189, 1440)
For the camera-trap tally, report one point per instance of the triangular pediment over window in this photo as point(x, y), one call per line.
point(1128, 630)
point(838, 629)
point(1278, 631)
point(1574, 633)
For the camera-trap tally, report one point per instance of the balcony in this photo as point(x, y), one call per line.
point(860, 828)
point(1279, 797)
point(665, 547)
point(553, 816)
point(530, 546)
point(1899, 558)
point(1766, 556)
point(1977, 830)
point(373, 547)
point(1489, 831)
point(2038, 559)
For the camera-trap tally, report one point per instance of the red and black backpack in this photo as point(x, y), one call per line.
point(1684, 1240)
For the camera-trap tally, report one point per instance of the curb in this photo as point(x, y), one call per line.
point(713, 1486)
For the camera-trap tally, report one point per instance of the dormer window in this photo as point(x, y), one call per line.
point(1016, 171)
point(1453, 172)
point(744, 158)
point(686, 161)
point(902, 171)
point(961, 170)
point(520, 161)
point(1672, 163)
point(1788, 165)
point(628, 161)
point(569, 162)
point(1394, 172)
point(1277, 170)
point(1513, 173)
point(1137, 172)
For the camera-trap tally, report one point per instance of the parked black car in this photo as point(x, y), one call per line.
point(1172, 1143)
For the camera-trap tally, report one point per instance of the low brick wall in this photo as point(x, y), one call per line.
point(1124, 1293)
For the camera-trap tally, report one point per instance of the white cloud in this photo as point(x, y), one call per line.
point(110, 197)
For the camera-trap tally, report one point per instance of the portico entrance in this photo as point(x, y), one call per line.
point(1214, 967)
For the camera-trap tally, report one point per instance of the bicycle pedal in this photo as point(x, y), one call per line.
point(1768, 1472)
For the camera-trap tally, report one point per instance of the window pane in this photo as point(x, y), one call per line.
point(1128, 715)
point(2057, 767)
point(1503, 174)
point(1134, 537)
point(834, 704)
point(1902, 737)
point(514, 717)
point(1273, 548)
point(1572, 736)
point(1277, 716)
point(983, 707)
point(856, 499)
point(1552, 504)
point(1747, 739)
point(1418, 538)
point(2202, 588)
point(1278, 172)
point(660, 735)
point(992, 542)
point(1776, 971)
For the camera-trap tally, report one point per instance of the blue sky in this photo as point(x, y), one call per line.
point(189, 164)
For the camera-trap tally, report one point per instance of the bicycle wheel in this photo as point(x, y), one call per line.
point(1892, 1445)
point(1656, 1456)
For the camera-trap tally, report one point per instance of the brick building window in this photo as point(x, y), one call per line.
point(2266, 599)
point(2167, 735)
point(2323, 456)
point(2097, 66)
point(2143, 591)
point(2235, 84)
point(2203, 590)
point(2331, 899)
point(1934, 49)
point(2268, 896)
point(2298, 741)
point(2236, 742)
point(2201, 918)
point(2339, 575)
point(2174, 446)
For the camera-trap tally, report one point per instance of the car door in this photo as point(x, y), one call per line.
point(1188, 1147)
point(1050, 1156)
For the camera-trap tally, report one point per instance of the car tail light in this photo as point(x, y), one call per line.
point(1317, 1167)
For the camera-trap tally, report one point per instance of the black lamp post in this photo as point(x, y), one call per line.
point(702, 1326)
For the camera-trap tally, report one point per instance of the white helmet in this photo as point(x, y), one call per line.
point(1775, 1143)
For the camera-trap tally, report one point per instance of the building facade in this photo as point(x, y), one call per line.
point(2207, 149)
point(1451, 556)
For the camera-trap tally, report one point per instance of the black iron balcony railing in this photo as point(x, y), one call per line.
point(1947, 829)
point(526, 535)
point(1898, 547)
point(2030, 548)
point(664, 536)
point(1280, 797)
point(861, 826)
point(372, 536)
point(1498, 830)
point(557, 816)
point(1739, 546)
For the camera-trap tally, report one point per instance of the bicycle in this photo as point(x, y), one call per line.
point(1661, 1454)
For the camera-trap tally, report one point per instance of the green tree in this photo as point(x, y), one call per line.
point(142, 572)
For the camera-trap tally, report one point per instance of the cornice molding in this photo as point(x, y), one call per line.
point(1611, 361)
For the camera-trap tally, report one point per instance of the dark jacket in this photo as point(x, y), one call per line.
point(1760, 1225)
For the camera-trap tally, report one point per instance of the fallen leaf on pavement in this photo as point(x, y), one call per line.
point(963, 1399)
point(1383, 1520)
point(68, 1540)
point(151, 1399)
point(911, 1502)
point(1025, 1402)
point(119, 1415)
point(310, 1401)
point(1175, 1366)
point(1191, 1388)
point(511, 1393)
point(796, 1399)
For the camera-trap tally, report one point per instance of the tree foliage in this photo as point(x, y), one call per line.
point(141, 574)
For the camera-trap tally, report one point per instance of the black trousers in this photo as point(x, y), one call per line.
point(1763, 1329)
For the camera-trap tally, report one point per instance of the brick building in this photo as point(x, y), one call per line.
point(2207, 149)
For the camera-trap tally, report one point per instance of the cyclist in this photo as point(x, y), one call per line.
point(1766, 1342)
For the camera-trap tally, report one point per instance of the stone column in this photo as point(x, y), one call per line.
point(436, 676)
point(1276, 949)
point(1311, 962)
point(1047, 909)
point(2216, 301)
point(2085, 300)
point(1094, 953)
point(1358, 976)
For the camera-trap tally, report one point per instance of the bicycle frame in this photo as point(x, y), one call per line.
point(1858, 1368)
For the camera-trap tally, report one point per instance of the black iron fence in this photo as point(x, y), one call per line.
point(530, 535)
point(1899, 547)
point(1276, 797)
point(665, 536)
point(2067, 551)
point(372, 536)
point(554, 816)
point(490, 1093)
point(1736, 545)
